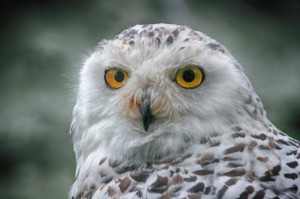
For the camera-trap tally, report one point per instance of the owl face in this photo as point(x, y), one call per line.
point(154, 89)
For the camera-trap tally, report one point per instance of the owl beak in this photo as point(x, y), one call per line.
point(147, 117)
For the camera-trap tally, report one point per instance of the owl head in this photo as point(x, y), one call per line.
point(155, 89)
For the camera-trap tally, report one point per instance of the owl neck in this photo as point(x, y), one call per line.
point(114, 160)
point(137, 150)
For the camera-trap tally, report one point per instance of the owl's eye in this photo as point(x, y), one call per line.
point(189, 77)
point(115, 78)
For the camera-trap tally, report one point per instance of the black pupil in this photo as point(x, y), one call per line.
point(188, 76)
point(119, 76)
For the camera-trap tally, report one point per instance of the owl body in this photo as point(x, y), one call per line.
point(164, 111)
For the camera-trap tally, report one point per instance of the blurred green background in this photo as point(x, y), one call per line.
point(44, 43)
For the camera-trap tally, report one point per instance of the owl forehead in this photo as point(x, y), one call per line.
point(158, 35)
point(161, 35)
point(142, 43)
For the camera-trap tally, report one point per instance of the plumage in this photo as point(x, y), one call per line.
point(139, 132)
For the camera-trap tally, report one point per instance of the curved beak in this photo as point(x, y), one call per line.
point(147, 117)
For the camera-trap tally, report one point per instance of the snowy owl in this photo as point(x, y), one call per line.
point(164, 111)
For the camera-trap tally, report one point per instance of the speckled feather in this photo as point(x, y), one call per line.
point(210, 142)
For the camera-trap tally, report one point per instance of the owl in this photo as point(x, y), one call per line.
point(164, 111)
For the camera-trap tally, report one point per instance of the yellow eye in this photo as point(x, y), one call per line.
point(189, 77)
point(115, 78)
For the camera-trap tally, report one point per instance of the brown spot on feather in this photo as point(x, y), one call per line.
point(207, 159)
point(203, 172)
point(222, 191)
point(243, 195)
point(79, 196)
point(293, 164)
point(207, 190)
point(214, 143)
point(150, 34)
point(237, 128)
point(139, 176)
point(234, 165)
point(294, 144)
point(231, 181)
point(238, 134)
point(166, 195)
point(237, 148)
point(291, 175)
point(190, 179)
point(228, 158)
point(139, 193)
point(250, 189)
point(294, 188)
point(105, 179)
point(271, 142)
point(281, 141)
point(131, 42)
point(263, 159)
point(113, 163)
point(203, 140)
point(124, 169)
point(159, 182)
point(175, 32)
point(181, 48)
point(260, 137)
point(181, 158)
point(169, 40)
point(252, 145)
point(260, 194)
point(235, 172)
point(124, 184)
point(111, 192)
point(197, 188)
point(193, 196)
point(269, 175)
point(157, 42)
point(264, 147)
point(177, 179)
point(294, 152)
point(102, 161)
point(216, 46)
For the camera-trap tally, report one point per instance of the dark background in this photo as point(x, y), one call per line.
point(44, 43)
